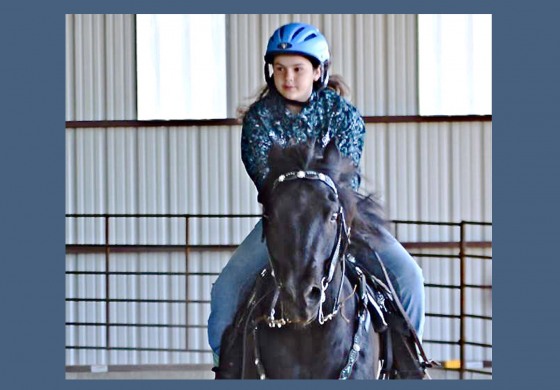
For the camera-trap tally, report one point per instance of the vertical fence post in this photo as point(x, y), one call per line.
point(187, 247)
point(462, 336)
point(107, 291)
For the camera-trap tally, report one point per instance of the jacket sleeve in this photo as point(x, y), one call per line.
point(255, 145)
point(347, 125)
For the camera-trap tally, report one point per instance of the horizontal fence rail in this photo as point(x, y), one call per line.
point(419, 250)
point(235, 121)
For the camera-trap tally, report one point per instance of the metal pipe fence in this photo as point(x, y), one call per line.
point(463, 244)
point(417, 249)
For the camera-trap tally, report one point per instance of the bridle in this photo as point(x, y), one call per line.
point(337, 254)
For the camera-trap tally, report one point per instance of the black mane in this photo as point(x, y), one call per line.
point(363, 212)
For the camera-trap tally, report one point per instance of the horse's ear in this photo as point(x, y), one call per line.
point(332, 154)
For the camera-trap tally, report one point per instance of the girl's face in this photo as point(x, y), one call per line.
point(294, 76)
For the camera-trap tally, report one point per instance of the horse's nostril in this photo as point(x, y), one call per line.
point(313, 294)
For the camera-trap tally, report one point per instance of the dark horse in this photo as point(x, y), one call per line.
point(307, 318)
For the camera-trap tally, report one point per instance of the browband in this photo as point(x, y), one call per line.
point(309, 175)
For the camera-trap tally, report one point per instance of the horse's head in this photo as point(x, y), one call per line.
point(305, 223)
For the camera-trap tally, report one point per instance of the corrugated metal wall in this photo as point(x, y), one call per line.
point(100, 61)
point(424, 171)
point(446, 271)
point(376, 55)
point(435, 171)
point(145, 316)
point(100, 67)
point(430, 171)
point(194, 170)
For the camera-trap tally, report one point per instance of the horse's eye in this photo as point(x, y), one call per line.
point(334, 217)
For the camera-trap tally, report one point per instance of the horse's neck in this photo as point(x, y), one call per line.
point(341, 327)
point(316, 351)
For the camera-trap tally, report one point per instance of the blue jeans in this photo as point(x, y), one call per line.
point(238, 276)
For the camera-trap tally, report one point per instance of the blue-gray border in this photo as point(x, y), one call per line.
point(32, 163)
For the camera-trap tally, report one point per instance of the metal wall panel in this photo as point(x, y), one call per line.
point(435, 269)
point(446, 301)
point(89, 287)
point(426, 171)
point(376, 55)
point(195, 170)
point(423, 171)
point(430, 171)
point(139, 339)
point(100, 67)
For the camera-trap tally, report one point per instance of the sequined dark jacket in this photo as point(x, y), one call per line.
point(326, 115)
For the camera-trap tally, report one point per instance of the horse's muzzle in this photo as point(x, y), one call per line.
point(301, 307)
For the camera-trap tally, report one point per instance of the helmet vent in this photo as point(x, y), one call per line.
point(297, 32)
point(281, 33)
point(310, 36)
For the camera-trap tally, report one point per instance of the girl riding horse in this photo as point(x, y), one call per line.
point(297, 104)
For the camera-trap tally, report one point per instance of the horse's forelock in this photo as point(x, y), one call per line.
point(293, 157)
point(309, 156)
point(364, 212)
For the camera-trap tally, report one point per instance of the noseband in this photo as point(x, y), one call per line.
point(337, 254)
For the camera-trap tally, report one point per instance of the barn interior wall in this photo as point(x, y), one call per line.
point(436, 171)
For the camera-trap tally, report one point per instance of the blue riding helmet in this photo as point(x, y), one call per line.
point(299, 38)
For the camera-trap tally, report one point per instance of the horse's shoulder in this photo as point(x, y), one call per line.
point(250, 308)
point(232, 349)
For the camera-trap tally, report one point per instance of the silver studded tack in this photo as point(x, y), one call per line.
point(321, 176)
point(281, 178)
point(356, 347)
point(300, 174)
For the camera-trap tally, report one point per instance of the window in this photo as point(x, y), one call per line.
point(181, 66)
point(455, 64)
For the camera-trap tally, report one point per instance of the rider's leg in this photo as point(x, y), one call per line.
point(234, 284)
point(407, 274)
